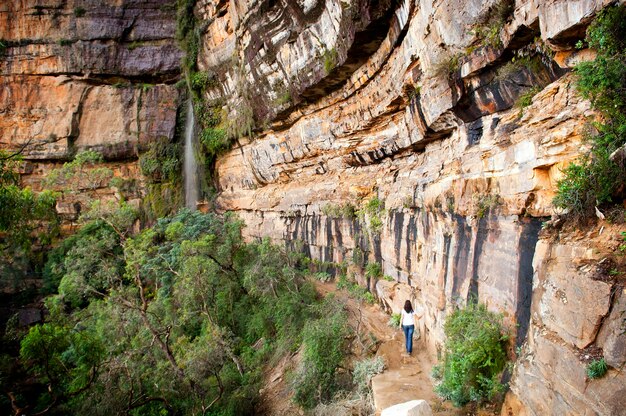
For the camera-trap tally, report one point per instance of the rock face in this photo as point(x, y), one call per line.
point(577, 315)
point(87, 76)
point(383, 131)
point(359, 104)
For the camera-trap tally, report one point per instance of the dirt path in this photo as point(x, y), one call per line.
point(405, 377)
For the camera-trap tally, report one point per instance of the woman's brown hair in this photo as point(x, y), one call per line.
point(408, 308)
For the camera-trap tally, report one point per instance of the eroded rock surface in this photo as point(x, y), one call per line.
point(353, 100)
point(87, 76)
point(424, 119)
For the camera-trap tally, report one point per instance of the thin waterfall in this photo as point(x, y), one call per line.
point(190, 164)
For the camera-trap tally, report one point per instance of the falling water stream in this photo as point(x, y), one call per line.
point(190, 164)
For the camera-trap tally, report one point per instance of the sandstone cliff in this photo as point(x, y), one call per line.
point(359, 104)
point(87, 76)
point(411, 104)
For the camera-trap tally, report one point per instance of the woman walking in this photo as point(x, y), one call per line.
point(407, 323)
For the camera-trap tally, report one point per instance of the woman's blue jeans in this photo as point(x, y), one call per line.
point(408, 336)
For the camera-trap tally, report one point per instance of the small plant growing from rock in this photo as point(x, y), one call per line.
point(448, 66)
point(358, 256)
point(407, 201)
point(526, 99)
point(490, 24)
point(485, 203)
point(394, 321)
point(373, 270)
point(346, 210)
point(450, 203)
point(79, 11)
point(201, 80)
point(597, 369)
point(322, 277)
point(330, 59)
point(371, 213)
point(413, 92)
point(516, 64)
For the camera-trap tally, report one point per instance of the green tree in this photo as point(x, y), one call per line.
point(173, 311)
point(324, 350)
point(26, 219)
point(82, 173)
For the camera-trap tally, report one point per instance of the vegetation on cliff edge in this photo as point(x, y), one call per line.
point(594, 179)
point(177, 319)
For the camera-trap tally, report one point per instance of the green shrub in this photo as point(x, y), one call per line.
point(414, 92)
point(484, 203)
point(281, 92)
point(79, 11)
point(448, 66)
point(355, 290)
point(474, 356)
point(215, 140)
point(330, 59)
point(358, 255)
point(597, 368)
point(394, 321)
point(594, 179)
point(365, 369)
point(322, 277)
point(26, 218)
point(369, 297)
point(162, 161)
point(373, 270)
point(324, 341)
point(526, 99)
point(201, 80)
point(346, 210)
point(530, 59)
point(371, 214)
point(490, 24)
point(342, 282)
point(81, 173)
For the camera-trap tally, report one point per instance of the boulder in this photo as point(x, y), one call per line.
point(412, 408)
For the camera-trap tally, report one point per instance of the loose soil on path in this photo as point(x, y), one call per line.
point(405, 377)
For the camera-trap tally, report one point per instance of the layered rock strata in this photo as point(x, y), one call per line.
point(403, 103)
point(358, 104)
point(87, 76)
